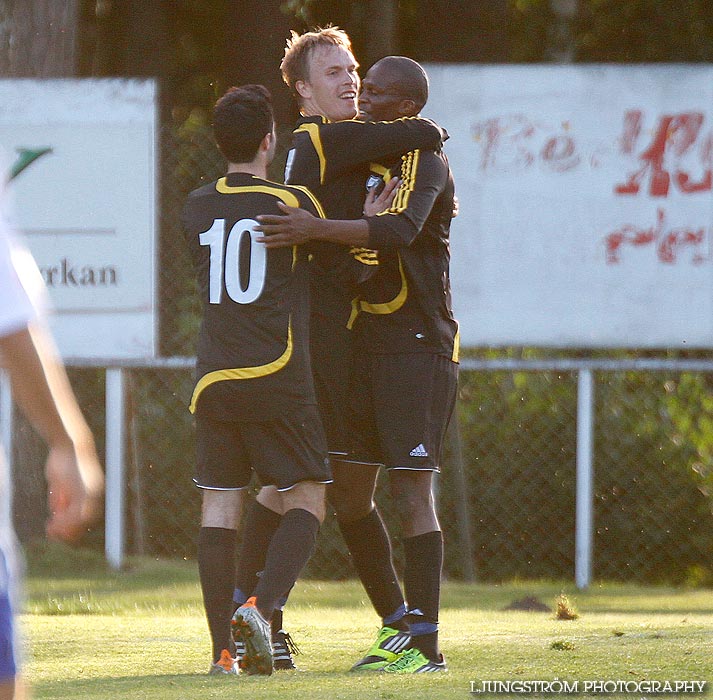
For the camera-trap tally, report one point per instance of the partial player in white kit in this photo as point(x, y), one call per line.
point(41, 388)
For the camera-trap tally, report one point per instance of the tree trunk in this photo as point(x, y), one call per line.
point(254, 48)
point(379, 29)
point(561, 47)
point(38, 38)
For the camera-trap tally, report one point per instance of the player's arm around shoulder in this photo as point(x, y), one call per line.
point(309, 202)
point(346, 144)
point(296, 225)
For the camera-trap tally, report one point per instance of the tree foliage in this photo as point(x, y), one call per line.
point(613, 31)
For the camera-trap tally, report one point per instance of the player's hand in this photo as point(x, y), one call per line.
point(75, 485)
point(295, 227)
point(373, 205)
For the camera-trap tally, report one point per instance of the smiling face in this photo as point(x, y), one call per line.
point(394, 87)
point(380, 98)
point(333, 84)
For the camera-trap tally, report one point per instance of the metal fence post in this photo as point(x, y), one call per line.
point(115, 467)
point(584, 505)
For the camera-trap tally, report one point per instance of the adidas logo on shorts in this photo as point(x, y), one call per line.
point(419, 451)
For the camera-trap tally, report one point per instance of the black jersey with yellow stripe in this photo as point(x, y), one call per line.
point(332, 160)
point(406, 305)
point(252, 351)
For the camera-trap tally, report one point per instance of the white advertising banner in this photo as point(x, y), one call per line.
point(87, 206)
point(586, 203)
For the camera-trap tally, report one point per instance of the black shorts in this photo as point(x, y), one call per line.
point(400, 408)
point(331, 350)
point(282, 451)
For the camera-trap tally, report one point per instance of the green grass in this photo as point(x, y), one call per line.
point(96, 634)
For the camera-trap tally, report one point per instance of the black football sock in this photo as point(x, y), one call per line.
point(422, 584)
point(276, 622)
point(277, 614)
point(370, 548)
point(291, 547)
point(259, 527)
point(216, 570)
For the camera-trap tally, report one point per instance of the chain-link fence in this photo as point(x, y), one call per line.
point(507, 490)
point(651, 444)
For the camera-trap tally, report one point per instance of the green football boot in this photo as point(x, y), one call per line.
point(387, 647)
point(414, 661)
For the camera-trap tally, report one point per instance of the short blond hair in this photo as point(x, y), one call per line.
point(295, 64)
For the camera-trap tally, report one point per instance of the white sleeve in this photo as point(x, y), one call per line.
point(22, 291)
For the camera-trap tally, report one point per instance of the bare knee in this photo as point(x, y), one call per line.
point(348, 505)
point(351, 494)
point(412, 493)
point(307, 495)
point(412, 503)
point(221, 509)
point(269, 497)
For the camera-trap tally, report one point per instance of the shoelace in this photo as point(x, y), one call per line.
point(404, 660)
point(284, 638)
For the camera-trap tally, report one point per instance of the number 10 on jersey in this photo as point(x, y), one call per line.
point(225, 261)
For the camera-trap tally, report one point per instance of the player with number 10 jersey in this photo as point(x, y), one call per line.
point(256, 302)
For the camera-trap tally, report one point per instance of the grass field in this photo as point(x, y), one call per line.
point(95, 634)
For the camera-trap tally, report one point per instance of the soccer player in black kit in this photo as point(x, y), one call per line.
point(320, 69)
point(254, 397)
point(404, 375)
